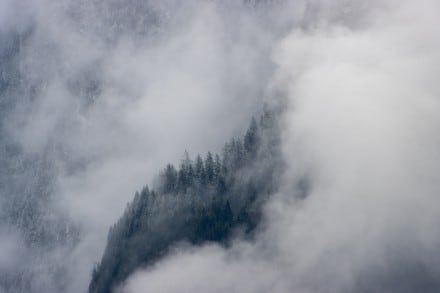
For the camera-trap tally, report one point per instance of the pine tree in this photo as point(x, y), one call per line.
point(209, 167)
point(217, 166)
point(169, 179)
point(200, 170)
point(251, 139)
point(238, 153)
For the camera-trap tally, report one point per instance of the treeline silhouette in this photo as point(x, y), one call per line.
point(214, 198)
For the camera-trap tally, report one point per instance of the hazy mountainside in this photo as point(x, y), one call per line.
point(335, 190)
point(210, 199)
point(71, 72)
point(35, 234)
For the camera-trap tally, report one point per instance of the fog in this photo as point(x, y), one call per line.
point(108, 92)
point(362, 123)
point(111, 91)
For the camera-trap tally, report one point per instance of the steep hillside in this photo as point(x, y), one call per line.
point(211, 199)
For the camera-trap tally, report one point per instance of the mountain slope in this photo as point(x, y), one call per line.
point(206, 200)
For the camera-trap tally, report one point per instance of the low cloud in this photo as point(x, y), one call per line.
point(107, 92)
point(362, 124)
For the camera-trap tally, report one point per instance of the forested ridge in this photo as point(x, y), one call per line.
point(210, 199)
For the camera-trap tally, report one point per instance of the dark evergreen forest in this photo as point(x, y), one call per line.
point(210, 199)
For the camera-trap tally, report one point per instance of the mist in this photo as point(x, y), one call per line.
point(98, 96)
point(362, 124)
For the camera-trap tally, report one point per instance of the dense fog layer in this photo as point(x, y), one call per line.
point(362, 124)
point(97, 96)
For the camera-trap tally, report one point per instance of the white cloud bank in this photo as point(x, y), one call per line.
point(363, 122)
point(113, 90)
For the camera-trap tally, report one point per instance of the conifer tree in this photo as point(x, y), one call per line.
point(209, 167)
point(251, 138)
point(170, 179)
point(200, 170)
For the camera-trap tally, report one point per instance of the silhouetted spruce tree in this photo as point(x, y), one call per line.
point(170, 179)
point(200, 173)
point(251, 139)
point(209, 167)
point(238, 153)
point(217, 166)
